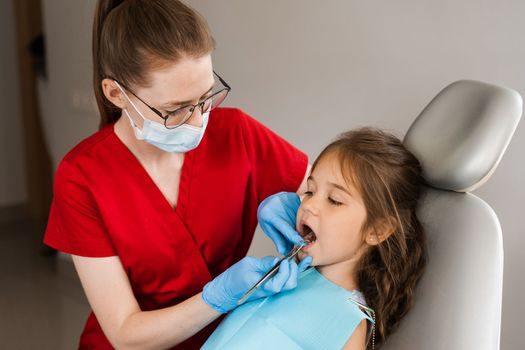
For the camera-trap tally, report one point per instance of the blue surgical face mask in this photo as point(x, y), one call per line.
point(182, 139)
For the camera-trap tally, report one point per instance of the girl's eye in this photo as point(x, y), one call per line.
point(333, 201)
point(308, 193)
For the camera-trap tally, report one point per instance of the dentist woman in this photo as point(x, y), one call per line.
point(158, 208)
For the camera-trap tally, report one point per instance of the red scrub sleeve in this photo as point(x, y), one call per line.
point(276, 164)
point(75, 225)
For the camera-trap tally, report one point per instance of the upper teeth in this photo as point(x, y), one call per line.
point(308, 234)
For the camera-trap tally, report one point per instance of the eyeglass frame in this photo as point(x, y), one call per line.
point(200, 104)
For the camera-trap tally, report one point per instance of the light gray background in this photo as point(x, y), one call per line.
point(309, 70)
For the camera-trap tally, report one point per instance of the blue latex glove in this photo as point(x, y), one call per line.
point(277, 216)
point(223, 292)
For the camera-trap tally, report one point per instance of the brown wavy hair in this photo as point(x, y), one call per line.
point(131, 37)
point(390, 181)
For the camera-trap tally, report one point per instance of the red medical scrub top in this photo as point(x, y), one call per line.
point(106, 204)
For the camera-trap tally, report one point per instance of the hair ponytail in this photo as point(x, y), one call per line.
point(108, 112)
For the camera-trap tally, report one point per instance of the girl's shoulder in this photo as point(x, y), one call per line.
point(319, 287)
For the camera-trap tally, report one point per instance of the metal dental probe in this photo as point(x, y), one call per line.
point(272, 271)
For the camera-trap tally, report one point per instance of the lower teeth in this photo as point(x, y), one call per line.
point(309, 238)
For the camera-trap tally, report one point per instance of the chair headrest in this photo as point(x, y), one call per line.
point(461, 135)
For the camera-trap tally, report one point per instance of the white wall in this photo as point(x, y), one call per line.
point(13, 189)
point(67, 102)
point(310, 69)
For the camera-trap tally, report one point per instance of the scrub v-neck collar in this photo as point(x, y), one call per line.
point(153, 191)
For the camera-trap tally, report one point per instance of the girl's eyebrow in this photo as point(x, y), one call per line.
point(180, 103)
point(339, 187)
point(342, 188)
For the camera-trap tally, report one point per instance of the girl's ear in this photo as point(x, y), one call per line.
point(381, 231)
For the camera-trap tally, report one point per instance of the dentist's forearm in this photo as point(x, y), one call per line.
point(164, 328)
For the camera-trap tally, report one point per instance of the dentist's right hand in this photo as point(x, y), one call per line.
point(223, 292)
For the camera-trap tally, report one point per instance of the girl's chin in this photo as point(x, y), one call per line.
point(301, 255)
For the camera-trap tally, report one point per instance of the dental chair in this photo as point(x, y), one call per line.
point(459, 138)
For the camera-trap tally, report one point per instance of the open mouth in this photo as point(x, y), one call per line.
point(308, 234)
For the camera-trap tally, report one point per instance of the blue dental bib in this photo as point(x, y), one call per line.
point(317, 314)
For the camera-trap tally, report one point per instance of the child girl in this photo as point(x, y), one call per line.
point(368, 254)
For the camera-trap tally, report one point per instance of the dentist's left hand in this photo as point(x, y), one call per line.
point(223, 292)
point(277, 216)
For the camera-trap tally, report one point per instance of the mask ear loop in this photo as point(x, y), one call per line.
point(125, 109)
point(138, 131)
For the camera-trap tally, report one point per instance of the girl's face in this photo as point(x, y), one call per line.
point(334, 211)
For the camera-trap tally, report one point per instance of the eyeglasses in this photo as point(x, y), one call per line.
point(181, 115)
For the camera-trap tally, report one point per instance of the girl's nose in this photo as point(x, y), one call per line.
point(309, 205)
